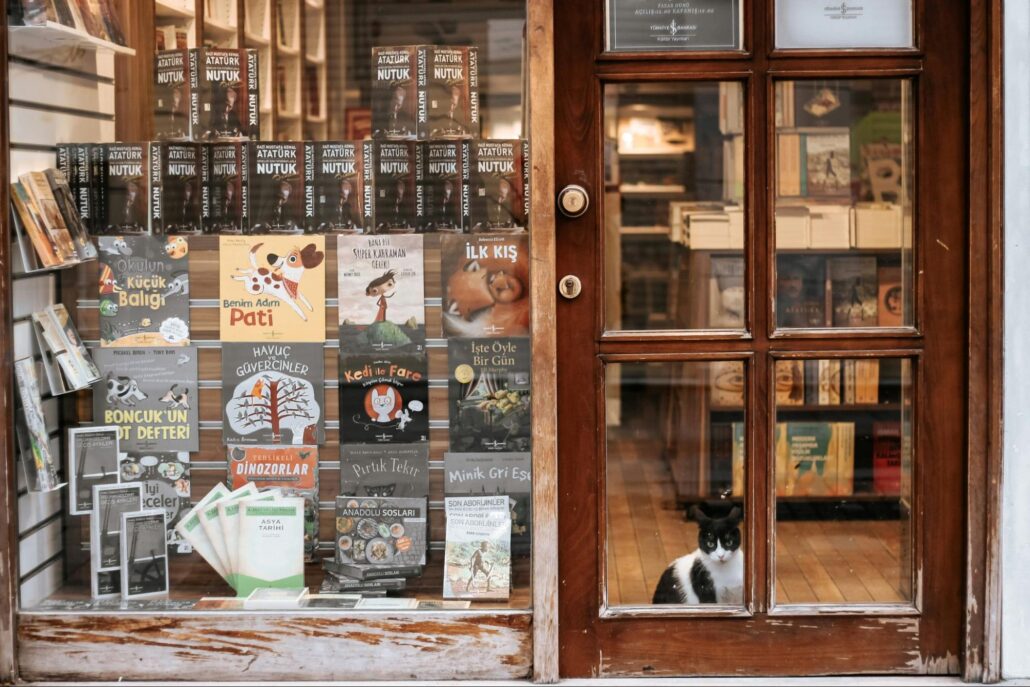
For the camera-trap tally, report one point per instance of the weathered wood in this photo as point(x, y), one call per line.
point(133, 76)
point(230, 647)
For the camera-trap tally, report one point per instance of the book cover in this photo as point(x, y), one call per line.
point(381, 293)
point(451, 95)
point(817, 458)
point(384, 399)
point(819, 103)
point(225, 94)
point(489, 394)
point(485, 283)
point(272, 288)
point(191, 529)
point(144, 291)
point(271, 545)
point(38, 462)
point(369, 573)
point(394, 181)
point(727, 293)
point(890, 308)
point(211, 521)
point(66, 362)
point(164, 477)
point(335, 584)
point(112, 21)
point(92, 459)
point(854, 291)
point(827, 160)
point(175, 189)
point(110, 502)
point(443, 191)
point(144, 554)
point(790, 382)
point(229, 526)
point(124, 187)
point(394, 92)
point(151, 394)
point(291, 469)
point(271, 599)
point(280, 196)
point(499, 185)
point(48, 253)
point(477, 563)
point(381, 533)
point(66, 203)
point(273, 393)
point(491, 474)
point(172, 95)
point(79, 171)
point(225, 187)
point(887, 458)
point(395, 470)
point(800, 291)
point(727, 383)
point(738, 456)
point(343, 187)
point(829, 382)
point(38, 188)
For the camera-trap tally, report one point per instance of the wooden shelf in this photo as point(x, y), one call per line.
point(288, 50)
point(26, 40)
point(828, 408)
point(168, 8)
point(256, 39)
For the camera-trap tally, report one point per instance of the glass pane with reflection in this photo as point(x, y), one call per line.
point(673, 206)
point(843, 456)
point(674, 483)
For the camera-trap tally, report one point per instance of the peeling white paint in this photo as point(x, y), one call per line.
point(935, 665)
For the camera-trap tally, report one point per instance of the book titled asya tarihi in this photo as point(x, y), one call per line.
point(477, 561)
point(489, 393)
point(271, 545)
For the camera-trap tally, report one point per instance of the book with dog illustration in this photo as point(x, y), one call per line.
point(272, 393)
point(144, 290)
point(490, 474)
point(395, 182)
point(384, 399)
point(272, 288)
point(382, 296)
point(477, 559)
point(164, 477)
point(499, 173)
point(151, 394)
point(280, 198)
point(397, 470)
point(488, 391)
point(343, 187)
point(485, 285)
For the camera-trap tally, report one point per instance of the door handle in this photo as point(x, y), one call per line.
point(573, 201)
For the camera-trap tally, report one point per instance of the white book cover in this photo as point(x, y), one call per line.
point(92, 459)
point(478, 551)
point(275, 598)
point(144, 554)
point(229, 518)
point(110, 501)
point(193, 532)
point(271, 545)
point(213, 527)
point(385, 603)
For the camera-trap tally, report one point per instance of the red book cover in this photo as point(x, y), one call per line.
point(887, 458)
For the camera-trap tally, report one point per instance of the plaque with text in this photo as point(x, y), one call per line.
point(843, 24)
point(672, 25)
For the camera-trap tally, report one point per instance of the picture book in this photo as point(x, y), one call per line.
point(110, 502)
point(144, 554)
point(92, 459)
point(225, 93)
point(38, 462)
point(489, 394)
point(381, 534)
point(396, 470)
point(854, 291)
point(500, 185)
point(280, 196)
point(151, 394)
point(443, 185)
point(381, 293)
point(451, 95)
point(273, 393)
point(800, 291)
point(144, 289)
point(271, 545)
point(477, 562)
point(395, 180)
point(272, 288)
point(226, 186)
point(343, 187)
point(165, 481)
point(491, 474)
point(384, 399)
point(485, 282)
point(172, 96)
point(394, 75)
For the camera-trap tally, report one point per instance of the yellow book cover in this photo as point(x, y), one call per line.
point(272, 288)
point(845, 434)
point(782, 467)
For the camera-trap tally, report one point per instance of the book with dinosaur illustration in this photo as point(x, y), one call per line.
point(165, 480)
point(491, 474)
point(398, 470)
point(489, 394)
point(384, 399)
point(485, 282)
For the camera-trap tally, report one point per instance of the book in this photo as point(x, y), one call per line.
point(890, 306)
point(395, 180)
point(110, 501)
point(443, 185)
point(123, 186)
point(226, 186)
point(272, 288)
point(366, 573)
point(443, 604)
point(489, 394)
point(165, 480)
point(273, 393)
point(800, 291)
point(292, 470)
point(829, 382)
point(386, 604)
point(485, 284)
point(47, 252)
point(394, 92)
point(37, 461)
point(477, 561)
point(151, 394)
point(144, 554)
point(738, 456)
point(144, 291)
point(818, 103)
point(229, 526)
point(500, 194)
point(727, 297)
point(225, 93)
point(74, 160)
point(112, 21)
point(172, 95)
point(790, 382)
point(31, 12)
point(887, 458)
point(820, 458)
point(343, 187)
point(449, 104)
point(491, 474)
point(92, 459)
point(275, 598)
point(271, 545)
point(192, 531)
point(175, 188)
point(384, 399)
point(49, 212)
point(381, 293)
point(66, 362)
point(380, 534)
point(280, 197)
point(211, 519)
point(827, 163)
point(396, 470)
point(727, 383)
point(66, 203)
point(854, 291)
point(89, 16)
point(867, 381)
point(335, 584)
point(335, 602)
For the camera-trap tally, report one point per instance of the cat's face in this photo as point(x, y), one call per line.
point(719, 538)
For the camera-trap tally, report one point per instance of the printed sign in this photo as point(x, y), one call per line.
point(672, 25)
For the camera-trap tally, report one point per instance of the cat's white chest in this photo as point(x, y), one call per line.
point(728, 580)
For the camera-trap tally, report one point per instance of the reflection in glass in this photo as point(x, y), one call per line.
point(843, 481)
point(675, 481)
point(843, 25)
point(844, 180)
point(674, 216)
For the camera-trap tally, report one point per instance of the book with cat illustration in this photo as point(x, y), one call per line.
point(381, 293)
point(226, 185)
point(477, 561)
point(489, 394)
point(144, 291)
point(143, 559)
point(499, 171)
point(273, 393)
point(165, 480)
point(396, 210)
point(151, 394)
point(490, 474)
point(343, 187)
point(397, 470)
point(375, 535)
point(291, 469)
point(110, 502)
point(384, 399)
point(485, 283)
point(92, 459)
point(854, 291)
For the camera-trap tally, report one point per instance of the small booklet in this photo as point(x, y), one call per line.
point(33, 439)
point(193, 532)
point(271, 545)
point(144, 554)
point(213, 526)
point(477, 561)
point(229, 518)
point(110, 502)
point(92, 459)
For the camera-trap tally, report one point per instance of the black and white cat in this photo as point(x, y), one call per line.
point(714, 572)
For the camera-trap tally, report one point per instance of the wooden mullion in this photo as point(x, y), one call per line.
point(134, 75)
point(198, 21)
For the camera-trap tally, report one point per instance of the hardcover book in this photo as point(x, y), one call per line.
point(443, 190)
point(800, 291)
point(477, 562)
point(273, 393)
point(343, 187)
point(144, 291)
point(39, 464)
point(394, 76)
point(272, 288)
point(144, 554)
point(384, 400)
point(225, 93)
point(381, 293)
point(485, 282)
point(165, 481)
point(172, 96)
point(489, 394)
point(280, 197)
point(271, 545)
point(226, 187)
point(110, 502)
point(151, 394)
point(491, 474)
point(175, 188)
point(854, 291)
point(887, 458)
point(92, 459)
point(381, 534)
point(500, 185)
point(395, 181)
point(396, 470)
point(451, 92)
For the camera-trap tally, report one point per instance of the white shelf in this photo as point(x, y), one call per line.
point(314, 60)
point(315, 120)
point(288, 115)
point(255, 39)
point(315, 4)
point(217, 27)
point(25, 40)
point(172, 8)
point(288, 51)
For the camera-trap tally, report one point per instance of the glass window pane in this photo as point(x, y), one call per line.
point(674, 481)
point(674, 214)
point(659, 26)
point(844, 197)
point(843, 450)
point(843, 25)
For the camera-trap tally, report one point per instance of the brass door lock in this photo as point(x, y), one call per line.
point(570, 286)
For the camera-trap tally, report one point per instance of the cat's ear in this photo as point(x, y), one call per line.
point(735, 514)
point(699, 516)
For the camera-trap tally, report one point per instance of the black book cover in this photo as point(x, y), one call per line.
point(225, 101)
point(278, 188)
point(485, 285)
point(443, 190)
point(394, 92)
point(74, 159)
point(342, 192)
point(452, 92)
point(176, 189)
point(500, 185)
point(225, 187)
point(124, 186)
point(489, 394)
point(384, 470)
point(396, 209)
point(800, 291)
point(66, 203)
point(164, 477)
point(172, 95)
point(384, 399)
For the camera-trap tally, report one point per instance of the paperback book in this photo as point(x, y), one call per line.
point(485, 283)
point(395, 181)
point(175, 188)
point(226, 187)
point(726, 293)
point(48, 215)
point(27, 222)
point(477, 563)
point(271, 545)
point(225, 93)
point(887, 463)
point(890, 307)
point(110, 502)
point(144, 554)
point(493, 474)
point(827, 159)
point(123, 186)
point(384, 399)
point(67, 204)
point(211, 521)
point(380, 537)
point(451, 96)
point(92, 459)
point(228, 518)
point(75, 161)
point(343, 187)
point(280, 195)
point(164, 478)
point(819, 458)
point(790, 382)
point(489, 394)
point(66, 362)
point(172, 95)
point(853, 289)
point(392, 470)
point(191, 529)
point(500, 185)
point(37, 461)
point(394, 92)
point(443, 191)
point(800, 291)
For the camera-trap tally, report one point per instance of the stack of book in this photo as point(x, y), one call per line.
point(47, 223)
point(98, 18)
point(66, 361)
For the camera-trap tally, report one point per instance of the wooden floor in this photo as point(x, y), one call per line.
point(844, 561)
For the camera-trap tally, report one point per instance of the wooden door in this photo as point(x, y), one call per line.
point(773, 323)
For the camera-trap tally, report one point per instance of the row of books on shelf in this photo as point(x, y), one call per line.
point(826, 382)
point(97, 18)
